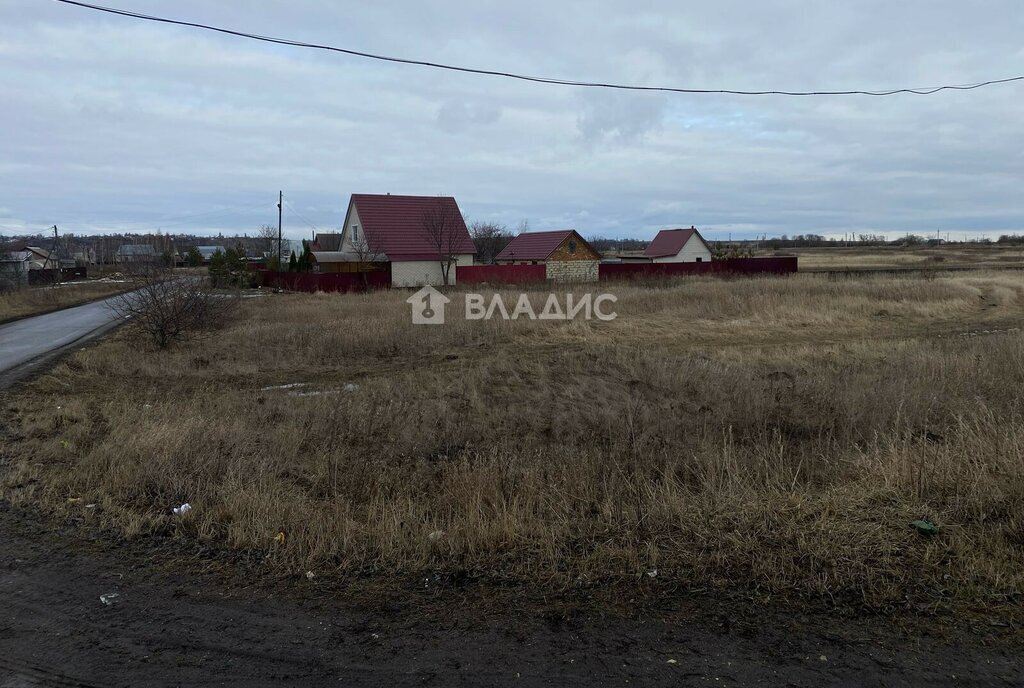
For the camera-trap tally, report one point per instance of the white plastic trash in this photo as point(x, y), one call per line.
point(182, 510)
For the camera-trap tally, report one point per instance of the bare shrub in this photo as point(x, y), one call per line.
point(165, 307)
point(489, 238)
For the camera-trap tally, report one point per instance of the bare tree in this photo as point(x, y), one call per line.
point(266, 238)
point(441, 224)
point(489, 238)
point(366, 256)
point(165, 308)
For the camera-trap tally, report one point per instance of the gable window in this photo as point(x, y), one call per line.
point(355, 232)
point(572, 246)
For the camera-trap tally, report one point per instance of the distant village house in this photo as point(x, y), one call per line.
point(678, 246)
point(136, 253)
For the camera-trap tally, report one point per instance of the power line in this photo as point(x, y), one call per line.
point(537, 79)
point(301, 216)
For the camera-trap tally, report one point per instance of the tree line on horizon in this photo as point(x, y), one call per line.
point(488, 237)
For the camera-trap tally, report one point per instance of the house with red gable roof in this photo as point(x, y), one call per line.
point(424, 238)
point(678, 246)
point(567, 255)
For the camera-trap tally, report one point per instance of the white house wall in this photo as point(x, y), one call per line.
point(346, 233)
point(417, 273)
point(691, 251)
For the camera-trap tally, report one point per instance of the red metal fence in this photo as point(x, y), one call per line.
point(500, 274)
point(779, 265)
point(525, 274)
point(324, 281)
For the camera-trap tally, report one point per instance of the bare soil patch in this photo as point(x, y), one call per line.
point(173, 621)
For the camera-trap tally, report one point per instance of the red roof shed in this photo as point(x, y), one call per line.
point(670, 242)
point(539, 245)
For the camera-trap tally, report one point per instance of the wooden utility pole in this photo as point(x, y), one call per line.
point(280, 203)
point(53, 252)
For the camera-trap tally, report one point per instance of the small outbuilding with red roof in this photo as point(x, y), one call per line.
point(678, 246)
point(567, 256)
point(424, 238)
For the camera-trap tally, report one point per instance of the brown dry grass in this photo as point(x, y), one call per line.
point(34, 300)
point(772, 437)
point(916, 257)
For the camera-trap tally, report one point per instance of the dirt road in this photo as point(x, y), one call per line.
point(168, 628)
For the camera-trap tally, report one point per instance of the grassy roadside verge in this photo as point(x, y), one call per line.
point(769, 437)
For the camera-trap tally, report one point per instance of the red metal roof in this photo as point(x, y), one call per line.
point(669, 242)
point(326, 242)
point(534, 245)
point(393, 225)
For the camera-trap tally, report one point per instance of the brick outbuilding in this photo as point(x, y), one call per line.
point(567, 256)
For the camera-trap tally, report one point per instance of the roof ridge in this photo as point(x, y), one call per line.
point(391, 195)
point(535, 245)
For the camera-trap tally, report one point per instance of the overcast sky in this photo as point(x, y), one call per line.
point(109, 123)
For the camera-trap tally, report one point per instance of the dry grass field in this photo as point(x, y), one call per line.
point(767, 437)
point(977, 256)
point(36, 300)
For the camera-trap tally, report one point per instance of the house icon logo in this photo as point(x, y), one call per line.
point(428, 306)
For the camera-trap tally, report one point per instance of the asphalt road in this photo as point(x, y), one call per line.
point(26, 340)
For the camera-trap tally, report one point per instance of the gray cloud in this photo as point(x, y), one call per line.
point(455, 116)
point(618, 115)
point(115, 124)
